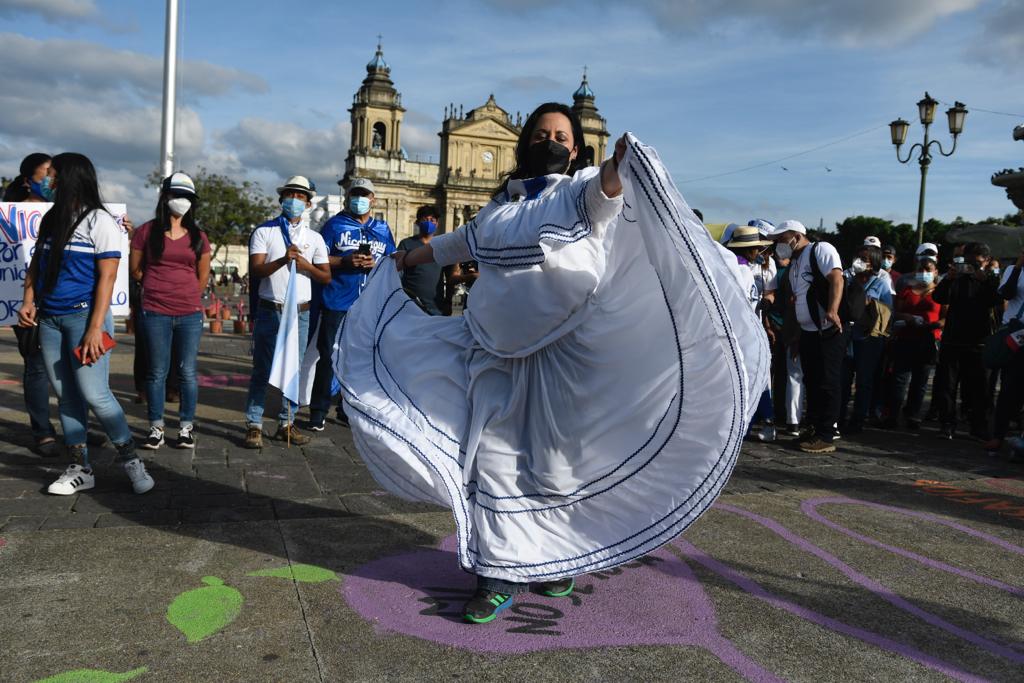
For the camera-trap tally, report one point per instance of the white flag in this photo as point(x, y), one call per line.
point(284, 372)
point(307, 373)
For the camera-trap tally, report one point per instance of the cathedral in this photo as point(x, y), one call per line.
point(477, 147)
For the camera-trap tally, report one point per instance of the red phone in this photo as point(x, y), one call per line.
point(108, 343)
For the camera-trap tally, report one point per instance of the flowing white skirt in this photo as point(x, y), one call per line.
point(593, 450)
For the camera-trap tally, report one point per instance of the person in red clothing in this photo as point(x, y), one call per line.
point(918, 327)
point(170, 255)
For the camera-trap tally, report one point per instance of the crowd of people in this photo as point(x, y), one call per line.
point(849, 346)
point(863, 344)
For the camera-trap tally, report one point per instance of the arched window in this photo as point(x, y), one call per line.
point(379, 135)
point(587, 156)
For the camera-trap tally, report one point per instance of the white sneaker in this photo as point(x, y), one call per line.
point(141, 481)
point(155, 439)
point(75, 478)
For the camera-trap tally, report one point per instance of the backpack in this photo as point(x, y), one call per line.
point(852, 303)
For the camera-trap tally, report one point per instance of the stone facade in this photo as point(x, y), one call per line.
point(476, 148)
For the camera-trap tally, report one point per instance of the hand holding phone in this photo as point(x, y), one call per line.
point(107, 343)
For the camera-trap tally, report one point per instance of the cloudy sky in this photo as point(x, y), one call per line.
point(716, 87)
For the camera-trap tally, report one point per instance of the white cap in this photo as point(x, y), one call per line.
point(927, 250)
point(300, 183)
point(872, 241)
point(180, 183)
point(787, 226)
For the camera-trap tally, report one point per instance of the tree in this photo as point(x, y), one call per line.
point(227, 209)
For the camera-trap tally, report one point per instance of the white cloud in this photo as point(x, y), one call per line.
point(53, 11)
point(866, 22)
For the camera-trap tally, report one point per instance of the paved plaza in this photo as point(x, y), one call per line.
point(900, 557)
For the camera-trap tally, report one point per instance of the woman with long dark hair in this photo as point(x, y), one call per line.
point(33, 185)
point(551, 417)
point(68, 290)
point(171, 258)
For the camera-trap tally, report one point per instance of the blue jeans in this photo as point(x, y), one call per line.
point(37, 396)
point(867, 355)
point(164, 334)
point(81, 388)
point(320, 401)
point(264, 337)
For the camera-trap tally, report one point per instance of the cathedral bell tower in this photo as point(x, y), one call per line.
point(595, 128)
point(376, 113)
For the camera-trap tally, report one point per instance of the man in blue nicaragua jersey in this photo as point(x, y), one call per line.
point(355, 243)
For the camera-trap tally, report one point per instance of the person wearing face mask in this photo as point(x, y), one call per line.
point(356, 241)
point(816, 276)
point(32, 184)
point(273, 247)
point(868, 338)
point(787, 375)
point(917, 329)
point(970, 294)
point(170, 257)
point(551, 416)
point(422, 282)
point(1011, 378)
point(889, 256)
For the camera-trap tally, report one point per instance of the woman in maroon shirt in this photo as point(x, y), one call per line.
point(171, 257)
point(918, 327)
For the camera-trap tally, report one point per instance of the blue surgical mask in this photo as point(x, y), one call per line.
point(996, 271)
point(926, 277)
point(427, 227)
point(293, 207)
point(360, 206)
point(42, 188)
point(887, 263)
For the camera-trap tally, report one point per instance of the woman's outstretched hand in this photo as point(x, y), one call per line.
point(610, 182)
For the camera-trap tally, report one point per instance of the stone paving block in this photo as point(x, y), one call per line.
point(385, 504)
point(246, 514)
point(19, 488)
point(23, 523)
point(226, 500)
point(121, 501)
point(83, 520)
point(310, 508)
point(178, 460)
point(210, 476)
point(41, 504)
point(286, 482)
point(143, 518)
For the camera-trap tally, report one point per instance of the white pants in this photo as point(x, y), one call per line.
point(794, 389)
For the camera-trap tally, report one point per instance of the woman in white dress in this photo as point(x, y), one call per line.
point(591, 402)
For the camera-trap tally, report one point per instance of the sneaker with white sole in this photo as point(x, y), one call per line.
point(155, 439)
point(136, 471)
point(186, 437)
point(75, 478)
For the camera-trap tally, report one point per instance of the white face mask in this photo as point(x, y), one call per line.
point(179, 206)
point(860, 266)
point(784, 250)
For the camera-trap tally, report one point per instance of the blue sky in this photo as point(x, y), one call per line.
point(714, 86)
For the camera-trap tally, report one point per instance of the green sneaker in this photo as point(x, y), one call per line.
point(484, 606)
point(559, 588)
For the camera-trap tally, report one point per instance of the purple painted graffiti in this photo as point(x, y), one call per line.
point(876, 587)
point(601, 613)
point(810, 508)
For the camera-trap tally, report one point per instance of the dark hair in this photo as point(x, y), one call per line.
point(874, 256)
point(18, 191)
point(162, 223)
point(698, 214)
point(889, 247)
point(523, 144)
point(425, 211)
point(977, 249)
point(77, 195)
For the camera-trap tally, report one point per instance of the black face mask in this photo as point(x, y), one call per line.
point(545, 157)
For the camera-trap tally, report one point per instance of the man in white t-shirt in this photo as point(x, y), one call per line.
point(817, 293)
point(273, 247)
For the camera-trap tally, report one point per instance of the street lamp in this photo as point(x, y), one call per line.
point(926, 112)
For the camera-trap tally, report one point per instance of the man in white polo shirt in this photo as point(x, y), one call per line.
point(272, 248)
point(817, 294)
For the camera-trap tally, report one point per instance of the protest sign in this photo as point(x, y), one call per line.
point(19, 227)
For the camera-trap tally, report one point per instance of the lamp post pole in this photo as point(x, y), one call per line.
point(170, 94)
point(898, 130)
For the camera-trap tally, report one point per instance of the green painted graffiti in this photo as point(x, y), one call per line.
point(303, 573)
point(94, 676)
point(201, 612)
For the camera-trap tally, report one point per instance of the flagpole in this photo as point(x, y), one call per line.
point(289, 436)
point(170, 85)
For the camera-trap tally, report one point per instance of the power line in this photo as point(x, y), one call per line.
point(786, 158)
point(989, 111)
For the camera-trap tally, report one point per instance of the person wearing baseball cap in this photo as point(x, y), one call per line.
point(273, 247)
point(872, 241)
point(817, 294)
point(882, 273)
point(356, 241)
